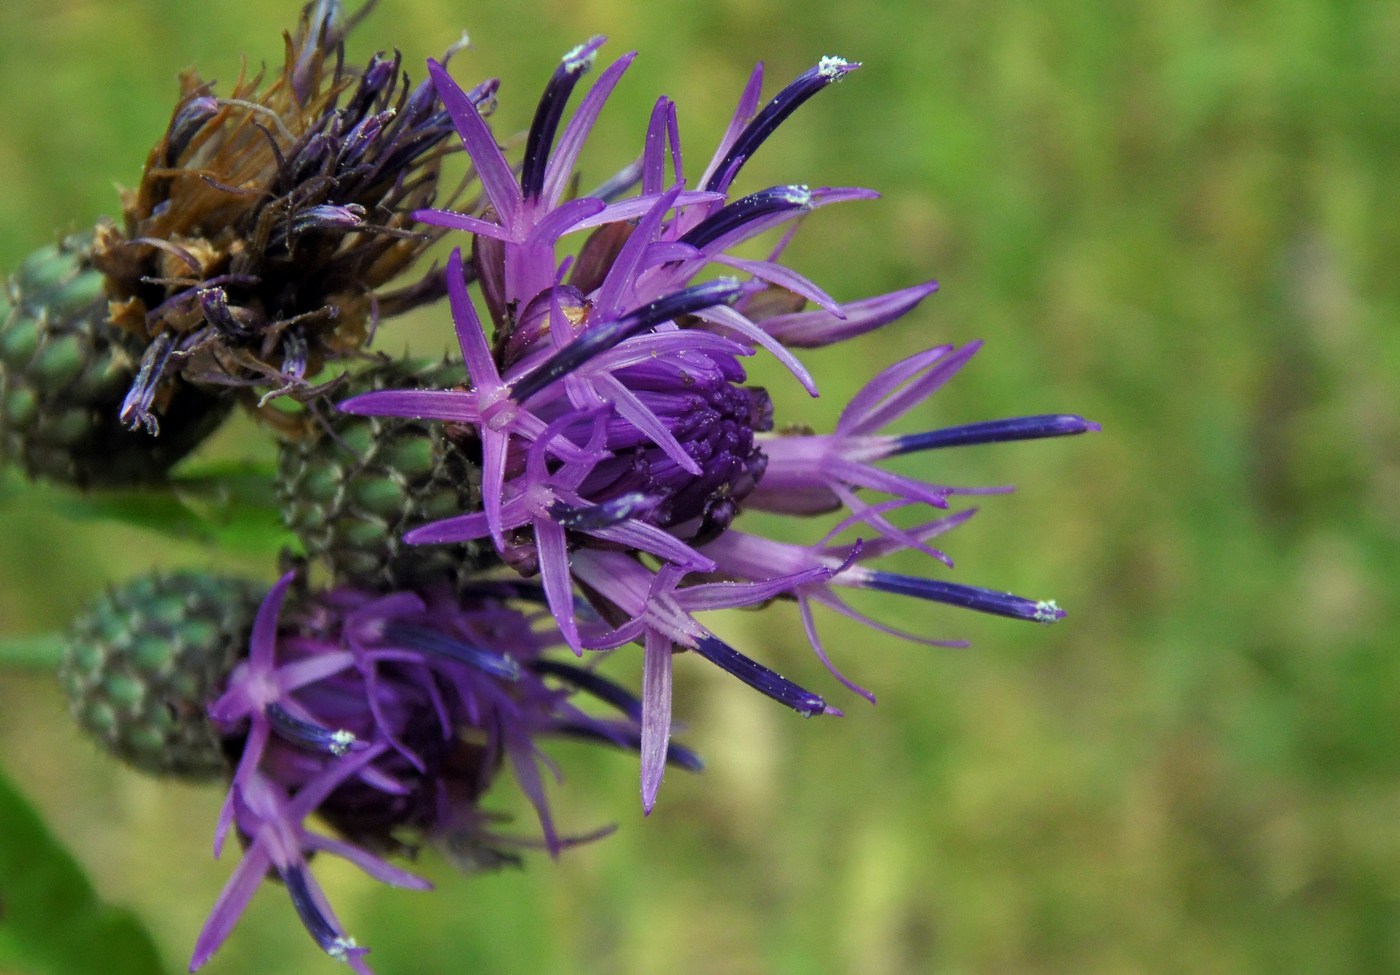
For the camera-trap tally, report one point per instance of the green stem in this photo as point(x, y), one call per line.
point(39, 650)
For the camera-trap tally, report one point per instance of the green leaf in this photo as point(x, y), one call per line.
point(51, 922)
point(232, 506)
point(39, 650)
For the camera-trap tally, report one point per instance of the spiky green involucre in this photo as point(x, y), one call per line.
point(145, 659)
point(352, 491)
point(64, 372)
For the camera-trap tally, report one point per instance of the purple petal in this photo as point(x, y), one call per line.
point(656, 715)
point(497, 177)
point(565, 156)
point(476, 352)
point(812, 329)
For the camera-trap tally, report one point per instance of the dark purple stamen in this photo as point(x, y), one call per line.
point(969, 597)
point(431, 641)
point(548, 113)
point(378, 78)
point(756, 206)
point(213, 302)
point(587, 680)
point(787, 101)
point(327, 216)
point(360, 138)
point(996, 431)
point(294, 354)
point(309, 735)
point(136, 407)
point(631, 739)
point(312, 917)
point(595, 516)
point(599, 338)
point(759, 677)
point(186, 124)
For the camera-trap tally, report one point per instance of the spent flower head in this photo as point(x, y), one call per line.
point(268, 221)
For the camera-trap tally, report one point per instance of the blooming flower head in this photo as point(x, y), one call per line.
point(388, 716)
point(267, 221)
point(619, 440)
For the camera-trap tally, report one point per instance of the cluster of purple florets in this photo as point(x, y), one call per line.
point(605, 393)
point(604, 400)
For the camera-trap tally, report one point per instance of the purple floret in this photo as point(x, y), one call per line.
point(620, 443)
point(389, 716)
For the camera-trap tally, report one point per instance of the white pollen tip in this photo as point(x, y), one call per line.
point(1047, 611)
point(342, 741)
point(577, 61)
point(799, 194)
point(340, 948)
point(832, 67)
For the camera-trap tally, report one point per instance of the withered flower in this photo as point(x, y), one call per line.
point(269, 221)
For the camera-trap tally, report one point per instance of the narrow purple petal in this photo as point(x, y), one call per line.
point(461, 221)
point(494, 447)
point(422, 404)
point(623, 273)
point(497, 177)
point(727, 317)
point(663, 117)
point(813, 329)
point(432, 641)
point(385, 873)
point(237, 892)
point(656, 715)
point(471, 337)
point(563, 219)
point(565, 156)
point(553, 551)
point(549, 111)
point(263, 645)
point(743, 112)
point(856, 418)
point(783, 277)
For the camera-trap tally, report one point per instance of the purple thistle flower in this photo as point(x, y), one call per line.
point(619, 441)
point(390, 716)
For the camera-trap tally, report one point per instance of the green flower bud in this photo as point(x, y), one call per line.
point(145, 659)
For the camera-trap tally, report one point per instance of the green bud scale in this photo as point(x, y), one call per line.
point(64, 372)
point(352, 492)
point(144, 660)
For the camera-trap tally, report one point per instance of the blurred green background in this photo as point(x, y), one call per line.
point(1180, 218)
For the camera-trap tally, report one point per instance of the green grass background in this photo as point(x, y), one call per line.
point(1180, 218)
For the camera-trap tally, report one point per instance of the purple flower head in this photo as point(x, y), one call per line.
point(619, 440)
point(388, 717)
